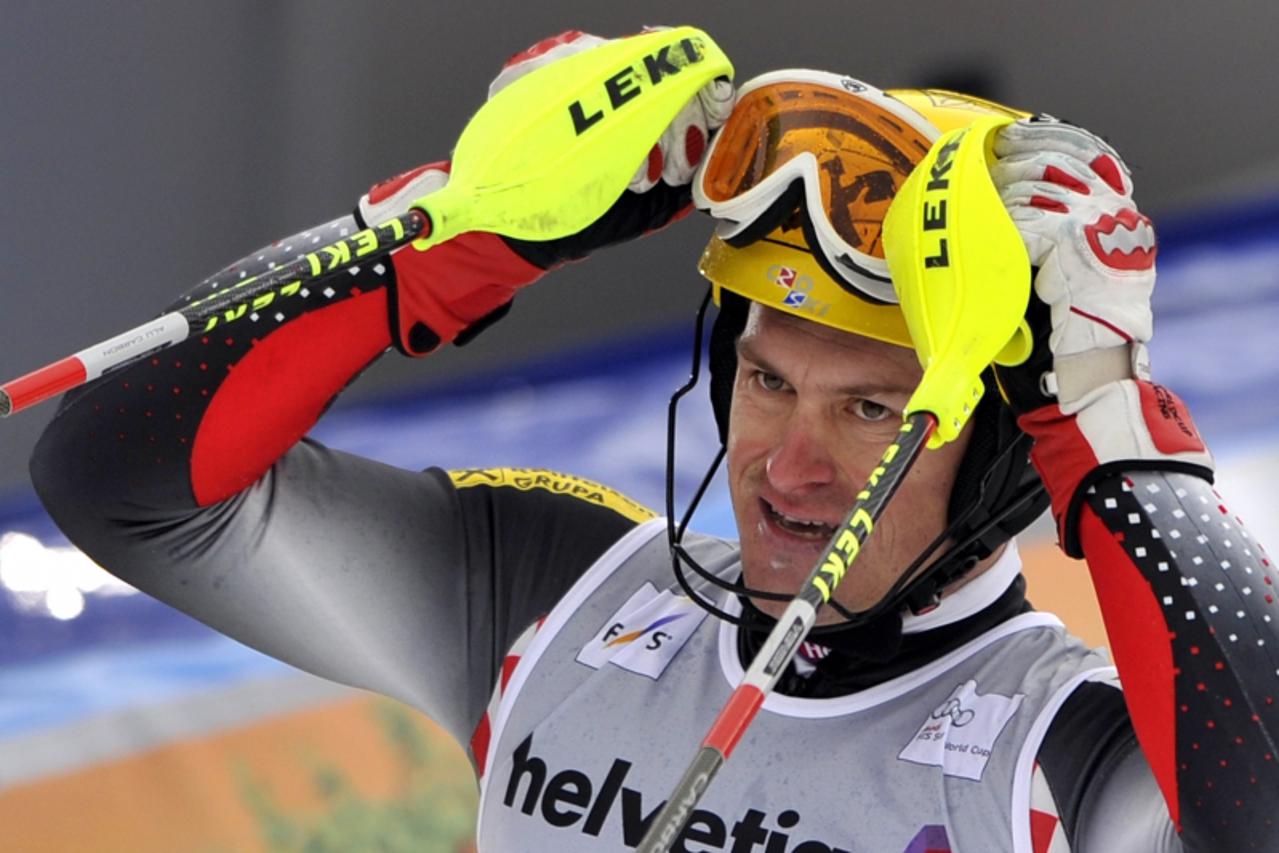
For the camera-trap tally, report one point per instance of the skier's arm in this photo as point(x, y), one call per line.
point(1189, 602)
point(1186, 593)
point(185, 474)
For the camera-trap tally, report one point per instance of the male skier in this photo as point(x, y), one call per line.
point(535, 615)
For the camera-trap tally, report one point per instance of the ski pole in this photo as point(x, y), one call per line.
point(964, 283)
point(542, 159)
point(213, 311)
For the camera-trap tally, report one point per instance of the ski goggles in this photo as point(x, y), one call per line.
point(833, 147)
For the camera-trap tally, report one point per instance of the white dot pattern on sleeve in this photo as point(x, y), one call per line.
point(1217, 592)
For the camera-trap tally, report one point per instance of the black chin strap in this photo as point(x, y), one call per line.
point(680, 558)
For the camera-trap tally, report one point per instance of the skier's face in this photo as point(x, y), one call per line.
point(814, 409)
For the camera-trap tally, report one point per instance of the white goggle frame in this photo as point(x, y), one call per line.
point(858, 269)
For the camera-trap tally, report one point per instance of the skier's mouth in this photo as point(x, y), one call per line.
point(807, 529)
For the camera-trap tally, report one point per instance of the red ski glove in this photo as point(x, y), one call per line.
point(456, 289)
point(1086, 395)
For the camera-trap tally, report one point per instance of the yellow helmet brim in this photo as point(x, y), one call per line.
point(780, 271)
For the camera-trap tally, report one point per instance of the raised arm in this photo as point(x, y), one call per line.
point(187, 474)
point(1187, 594)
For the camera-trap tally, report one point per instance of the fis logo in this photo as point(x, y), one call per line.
point(656, 637)
point(646, 634)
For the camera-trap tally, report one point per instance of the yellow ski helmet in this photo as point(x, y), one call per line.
point(799, 181)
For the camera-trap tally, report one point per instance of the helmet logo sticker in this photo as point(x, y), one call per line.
point(798, 290)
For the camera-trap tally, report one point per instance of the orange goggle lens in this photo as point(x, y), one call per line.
point(864, 153)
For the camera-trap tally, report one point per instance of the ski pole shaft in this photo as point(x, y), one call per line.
point(517, 171)
point(216, 310)
point(791, 629)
